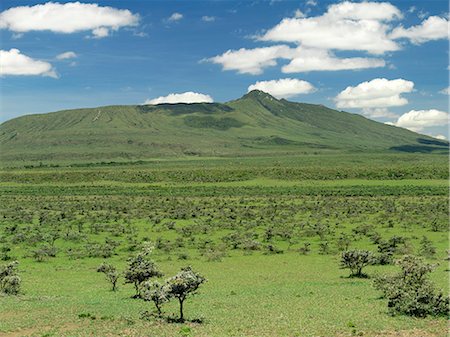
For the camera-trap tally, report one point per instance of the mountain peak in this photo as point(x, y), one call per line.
point(258, 94)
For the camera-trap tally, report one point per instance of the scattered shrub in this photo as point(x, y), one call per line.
point(183, 284)
point(111, 274)
point(141, 268)
point(410, 292)
point(426, 248)
point(155, 292)
point(356, 260)
point(9, 279)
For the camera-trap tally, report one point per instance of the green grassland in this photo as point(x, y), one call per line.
point(241, 222)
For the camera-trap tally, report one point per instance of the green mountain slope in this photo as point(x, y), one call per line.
point(256, 124)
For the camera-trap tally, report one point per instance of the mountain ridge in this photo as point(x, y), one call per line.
point(255, 124)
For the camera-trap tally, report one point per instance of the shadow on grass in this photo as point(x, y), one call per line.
point(154, 316)
point(357, 276)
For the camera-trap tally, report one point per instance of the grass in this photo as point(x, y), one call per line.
point(187, 208)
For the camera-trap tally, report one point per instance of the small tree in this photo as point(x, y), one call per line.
point(9, 278)
point(141, 268)
point(4, 253)
point(410, 292)
point(155, 292)
point(426, 248)
point(111, 274)
point(183, 284)
point(356, 260)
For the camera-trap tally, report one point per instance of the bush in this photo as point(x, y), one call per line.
point(183, 284)
point(155, 292)
point(356, 260)
point(141, 268)
point(426, 248)
point(410, 292)
point(9, 279)
point(111, 274)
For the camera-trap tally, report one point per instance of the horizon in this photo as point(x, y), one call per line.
point(154, 51)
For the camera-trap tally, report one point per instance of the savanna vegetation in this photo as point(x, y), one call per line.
point(317, 245)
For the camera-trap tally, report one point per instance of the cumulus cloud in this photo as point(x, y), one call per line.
point(377, 93)
point(283, 88)
point(311, 59)
point(432, 28)
point(207, 18)
point(345, 26)
point(185, 97)
point(378, 113)
point(67, 55)
point(13, 62)
point(67, 18)
point(445, 91)
point(175, 17)
point(417, 120)
point(252, 61)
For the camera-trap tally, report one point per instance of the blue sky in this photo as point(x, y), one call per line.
point(158, 48)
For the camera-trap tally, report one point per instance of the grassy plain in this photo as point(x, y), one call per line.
point(241, 223)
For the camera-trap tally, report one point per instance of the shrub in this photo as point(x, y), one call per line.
point(141, 268)
point(111, 274)
point(410, 292)
point(305, 249)
point(426, 248)
point(155, 292)
point(9, 278)
point(356, 260)
point(4, 253)
point(183, 284)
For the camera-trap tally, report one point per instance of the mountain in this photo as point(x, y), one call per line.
point(255, 124)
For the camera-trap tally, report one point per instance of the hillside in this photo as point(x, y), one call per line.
point(256, 124)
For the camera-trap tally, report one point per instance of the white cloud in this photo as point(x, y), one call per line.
point(311, 2)
point(299, 14)
point(345, 26)
point(417, 120)
point(378, 113)
point(13, 62)
point(207, 18)
point(377, 93)
point(67, 18)
point(441, 137)
point(283, 88)
point(185, 97)
point(67, 55)
point(100, 32)
point(433, 28)
point(252, 61)
point(309, 59)
point(175, 17)
point(445, 91)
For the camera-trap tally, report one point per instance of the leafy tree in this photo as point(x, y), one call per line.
point(9, 278)
point(426, 248)
point(155, 292)
point(111, 274)
point(183, 284)
point(4, 253)
point(356, 260)
point(410, 291)
point(141, 268)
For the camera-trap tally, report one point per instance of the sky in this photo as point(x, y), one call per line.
point(388, 61)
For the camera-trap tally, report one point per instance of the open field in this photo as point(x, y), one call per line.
point(242, 223)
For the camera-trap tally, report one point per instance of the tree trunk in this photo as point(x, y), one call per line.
point(181, 310)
